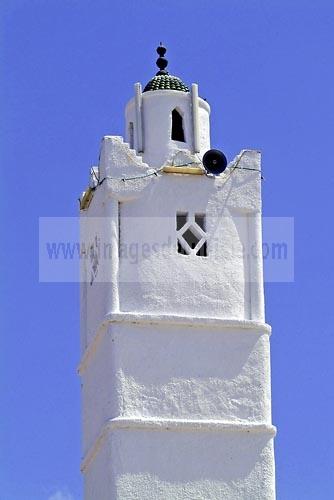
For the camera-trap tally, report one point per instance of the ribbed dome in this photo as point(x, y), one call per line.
point(166, 82)
point(163, 80)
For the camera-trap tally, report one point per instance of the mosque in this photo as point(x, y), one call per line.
point(175, 353)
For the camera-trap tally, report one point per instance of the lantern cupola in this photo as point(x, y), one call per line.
point(167, 117)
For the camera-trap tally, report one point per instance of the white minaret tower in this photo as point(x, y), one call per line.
point(175, 361)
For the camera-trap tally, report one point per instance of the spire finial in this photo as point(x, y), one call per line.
point(161, 61)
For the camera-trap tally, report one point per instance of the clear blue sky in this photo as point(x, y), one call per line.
point(67, 70)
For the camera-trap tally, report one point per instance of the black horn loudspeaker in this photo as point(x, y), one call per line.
point(214, 161)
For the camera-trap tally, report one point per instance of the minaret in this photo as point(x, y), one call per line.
point(175, 364)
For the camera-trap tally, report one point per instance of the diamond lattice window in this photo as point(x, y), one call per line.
point(191, 234)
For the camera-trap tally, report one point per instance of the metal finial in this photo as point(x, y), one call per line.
point(161, 61)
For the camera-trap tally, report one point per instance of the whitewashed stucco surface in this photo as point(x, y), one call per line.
point(175, 361)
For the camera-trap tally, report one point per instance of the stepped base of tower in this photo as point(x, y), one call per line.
point(183, 411)
point(152, 464)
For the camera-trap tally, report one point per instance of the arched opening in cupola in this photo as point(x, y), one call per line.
point(177, 126)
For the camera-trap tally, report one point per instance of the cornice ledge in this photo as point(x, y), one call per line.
point(184, 320)
point(169, 319)
point(173, 424)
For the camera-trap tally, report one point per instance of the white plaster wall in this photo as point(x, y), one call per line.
point(178, 373)
point(226, 284)
point(193, 373)
point(172, 465)
point(157, 107)
point(99, 481)
point(186, 466)
point(166, 281)
point(96, 298)
point(204, 126)
point(91, 316)
point(165, 371)
point(160, 370)
point(99, 393)
point(100, 221)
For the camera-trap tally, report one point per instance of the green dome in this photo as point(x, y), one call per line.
point(166, 82)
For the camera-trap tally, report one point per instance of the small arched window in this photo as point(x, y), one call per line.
point(177, 126)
